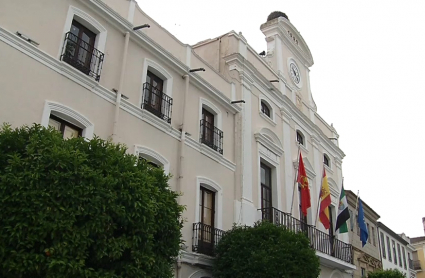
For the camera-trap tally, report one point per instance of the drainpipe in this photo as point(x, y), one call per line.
point(120, 88)
point(183, 136)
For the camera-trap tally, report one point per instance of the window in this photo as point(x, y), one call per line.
point(384, 253)
point(152, 157)
point(265, 108)
point(154, 99)
point(373, 236)
point(404, 257)
point(368, 232)
point(148, 161)
point(300, 138)
point(389, 249)
point(326, 160)
point(79, 50)
point(210, 135)
point(206, 221)
point(399, 255)
point(363, 272)
point(67, 130)
point(266, 191)
point(394, 252)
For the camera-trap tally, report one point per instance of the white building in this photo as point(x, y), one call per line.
point(80, 66)
point(396, 251)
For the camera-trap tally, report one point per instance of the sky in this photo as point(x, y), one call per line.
point(367, 79)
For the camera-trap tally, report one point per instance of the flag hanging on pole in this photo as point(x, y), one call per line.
point(362, 224)
point(325, 196)
point(305, 190)
point(343, 213)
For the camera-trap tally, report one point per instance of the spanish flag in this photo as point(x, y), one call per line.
point(305, 190)
point(325, 196)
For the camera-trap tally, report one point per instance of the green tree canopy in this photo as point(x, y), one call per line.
point(78, 208)
point(392, 273)
point(265, 251)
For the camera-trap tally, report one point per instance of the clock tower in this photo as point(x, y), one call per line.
point(290, 57)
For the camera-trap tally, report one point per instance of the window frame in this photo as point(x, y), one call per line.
point(389, 249)
point(269, 188)
point(328, 160)
point(65, 123)
point(265, 108)
point(400, 262)
point(215, 187)
point(299, 134)
point(159, 71)
point(152, 156)
point(88, 22)
point(383, 249)
point(404, 257)
point(394, 251)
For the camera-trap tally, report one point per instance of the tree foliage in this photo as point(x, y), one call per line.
point(392, 273)
point(78, 208)
point(265, 251)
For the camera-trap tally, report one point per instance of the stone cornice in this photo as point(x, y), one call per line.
point(260, 138)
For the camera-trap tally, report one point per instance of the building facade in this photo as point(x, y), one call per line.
point(418, 256)
point(396, 251)
point(366, 258)
point(104, 67)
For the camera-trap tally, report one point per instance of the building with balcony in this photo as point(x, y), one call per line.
point(366, 258)
point(396, 251)
point(105, 68)
point(418, 256)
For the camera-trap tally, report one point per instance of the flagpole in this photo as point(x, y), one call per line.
point(320, 197)
point(357, 201)
point(296, 176)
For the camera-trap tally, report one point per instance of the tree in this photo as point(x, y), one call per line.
point(78, 208)
point(392, 273)
point(265, 251)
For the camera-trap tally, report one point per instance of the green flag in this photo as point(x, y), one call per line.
point(343, 213)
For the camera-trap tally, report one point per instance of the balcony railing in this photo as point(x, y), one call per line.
point(211, 136)
point(417, 265)
point(156, 102)
point(205, 238)
point(319, 240)
point(82, 56)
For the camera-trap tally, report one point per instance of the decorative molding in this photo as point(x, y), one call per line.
point(153, 156)
point(162, 54)
point(193, 258)
point(308, 168)
point(68, 114)
point(214, 155)
point(161, 72)
point(269, 143)
point(200, 274)
point(270, 121)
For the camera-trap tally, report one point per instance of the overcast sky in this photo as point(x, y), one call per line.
point(367, 79)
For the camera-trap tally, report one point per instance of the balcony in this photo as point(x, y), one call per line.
point(156, 102)
point(417, 265)
point(211, 136)
point(319, 240)
point(205, 238)
point(82, 56)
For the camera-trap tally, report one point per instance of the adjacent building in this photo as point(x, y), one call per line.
point(418, 257)
point(396, 251)
point(366, 258)
point(225, 121)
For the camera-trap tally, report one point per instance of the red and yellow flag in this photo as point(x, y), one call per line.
point(305, 190)
point(325, 196)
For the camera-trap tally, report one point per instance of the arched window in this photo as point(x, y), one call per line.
point(300, 137)
point(66, 120)
point(152, 157)
point(265, 108)
point(210, 132)
point(326, 160)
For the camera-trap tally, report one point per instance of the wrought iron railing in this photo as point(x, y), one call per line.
point(319, 240)
point(417, 265)
point(156, 102)
point(211, 136)
point(82, 56)
point(205, 238)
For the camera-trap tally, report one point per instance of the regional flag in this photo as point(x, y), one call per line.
point(325, 196)
point(364, 234)
point(343, 213)
point(305, 190)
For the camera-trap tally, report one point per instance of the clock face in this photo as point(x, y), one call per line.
point(295, 73)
